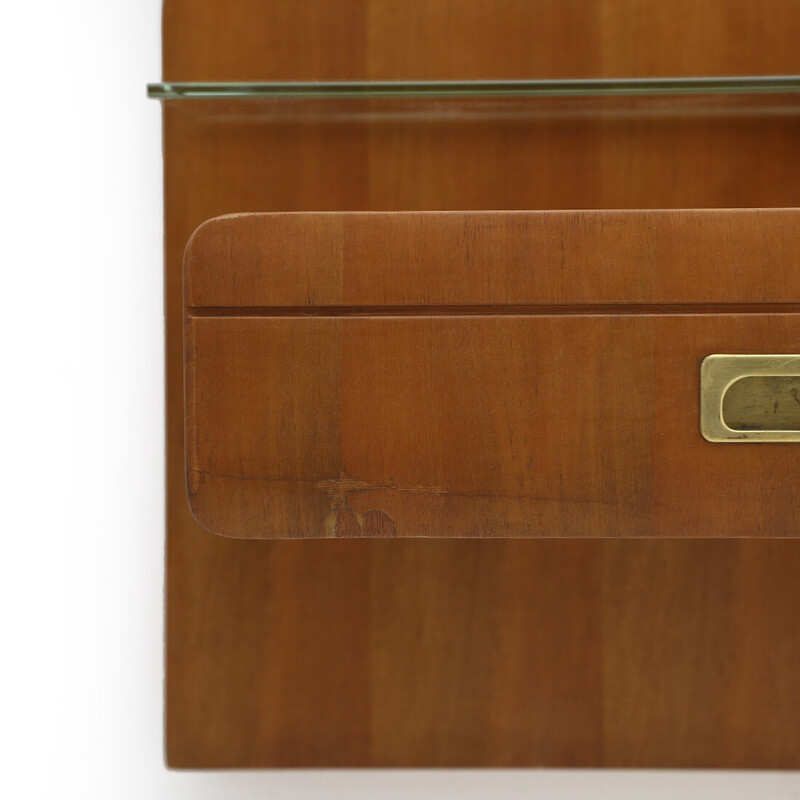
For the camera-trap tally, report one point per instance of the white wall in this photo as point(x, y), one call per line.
point(82, 426)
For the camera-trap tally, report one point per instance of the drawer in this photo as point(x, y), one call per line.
point(485, 374)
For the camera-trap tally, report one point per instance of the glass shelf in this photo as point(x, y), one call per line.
point(761, 84)
point(661, 143)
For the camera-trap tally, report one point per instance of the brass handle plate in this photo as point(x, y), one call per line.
point(750, 398)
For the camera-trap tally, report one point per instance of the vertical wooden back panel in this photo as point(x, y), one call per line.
point(472, 653)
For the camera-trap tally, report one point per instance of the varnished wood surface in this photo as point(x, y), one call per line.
point(245, 40)
point(499, 420)
point(494, 260)
point(618, 653)
point(472, 652)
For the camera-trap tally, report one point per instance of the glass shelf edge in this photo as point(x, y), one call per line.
point(761, 84)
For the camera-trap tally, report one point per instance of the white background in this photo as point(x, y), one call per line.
point(81, 576)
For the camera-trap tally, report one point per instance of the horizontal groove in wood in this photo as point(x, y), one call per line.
point(605, 309)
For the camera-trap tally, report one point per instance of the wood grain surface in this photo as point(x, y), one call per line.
point(540, 652)
point(497, 261)
point(229, 40)
point(441, 395)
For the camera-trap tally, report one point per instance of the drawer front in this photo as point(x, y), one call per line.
point(488, 374)
point(476, 425)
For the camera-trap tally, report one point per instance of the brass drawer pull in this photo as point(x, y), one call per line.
point(750, 398)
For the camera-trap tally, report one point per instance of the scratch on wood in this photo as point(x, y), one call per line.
point(343, 520)
point(338, 488)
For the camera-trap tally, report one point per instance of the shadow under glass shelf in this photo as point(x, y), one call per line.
point(654, 143)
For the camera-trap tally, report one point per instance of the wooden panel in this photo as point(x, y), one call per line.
point(476, 425)
point(453, 39)
point(494, 259)
point(484, 652)
point(472, 652)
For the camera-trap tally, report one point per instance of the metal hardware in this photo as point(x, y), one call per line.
point(750, 398)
